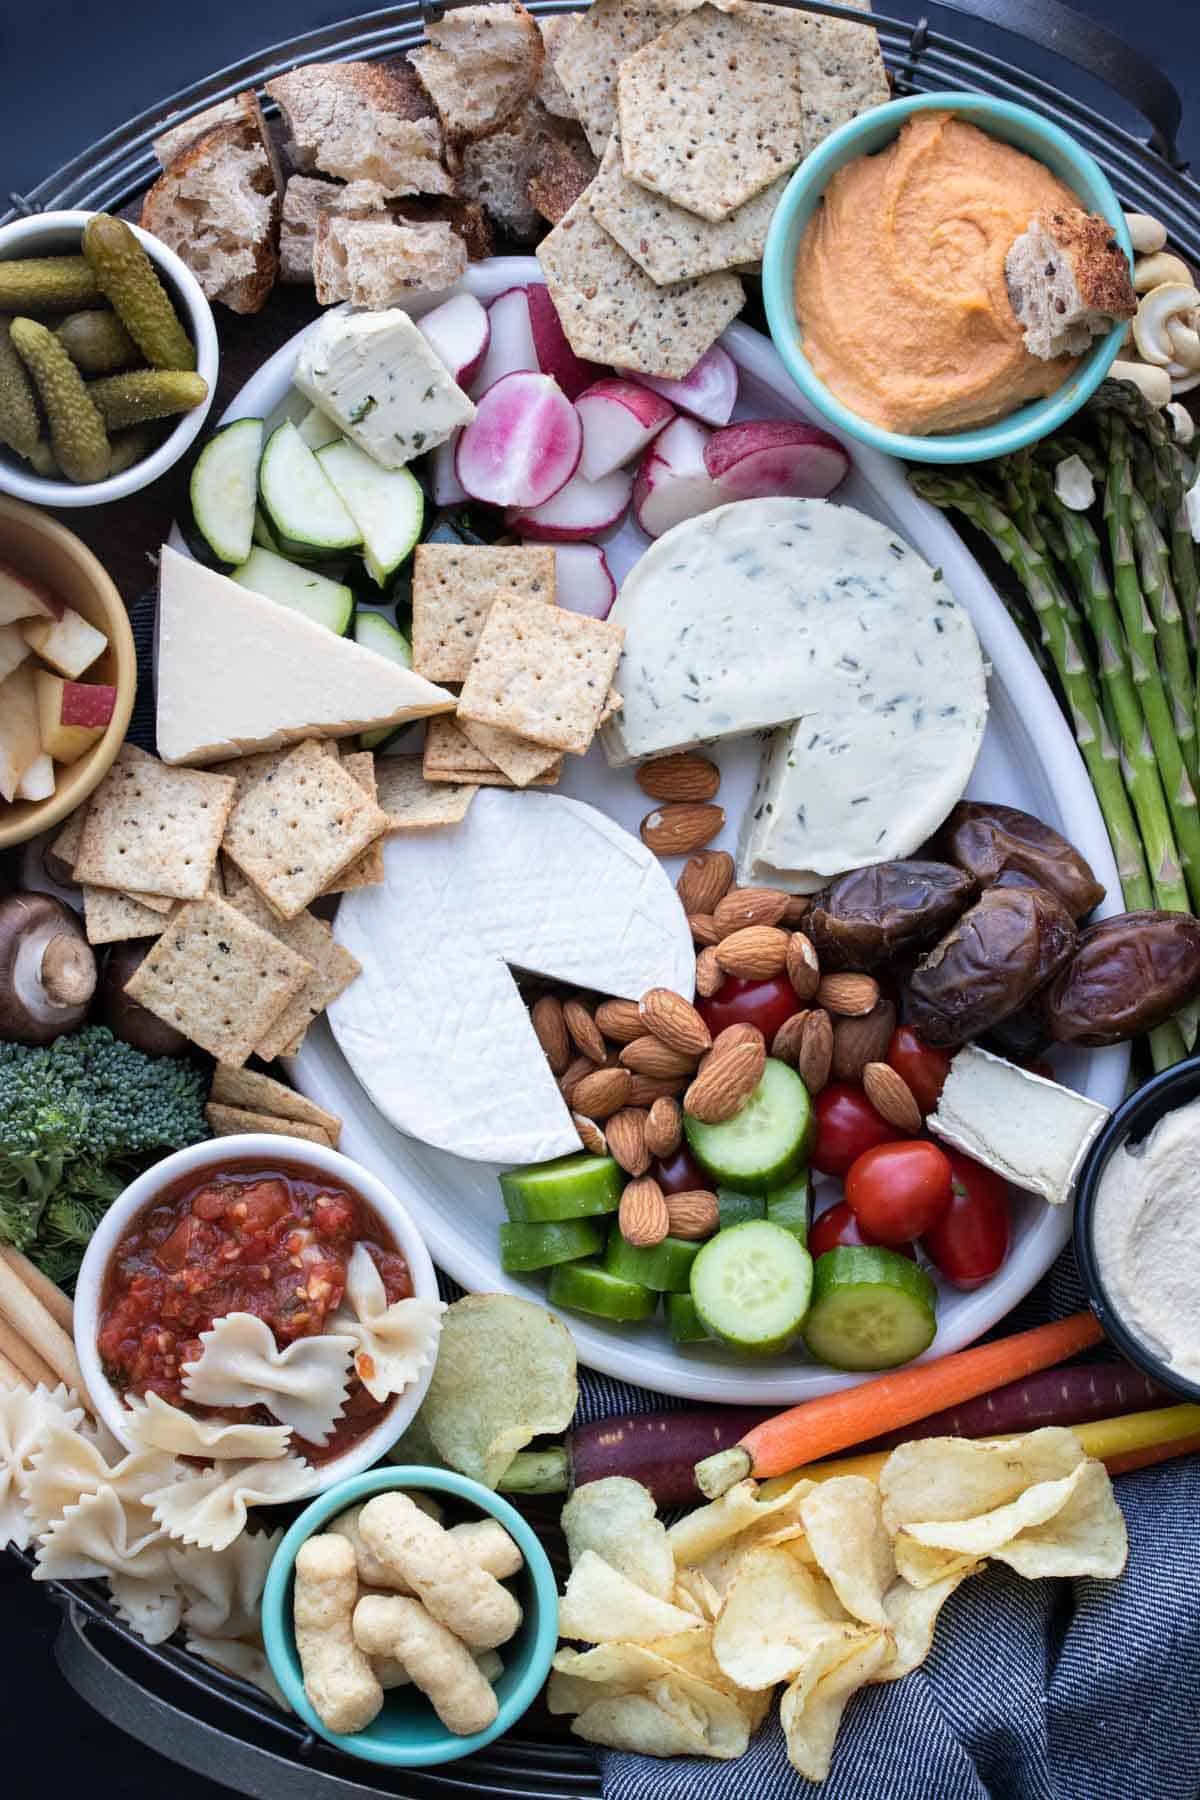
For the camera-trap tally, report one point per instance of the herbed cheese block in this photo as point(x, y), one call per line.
point(239, 672)
point(435, 1029)
point(802, 613)
point(381, 383)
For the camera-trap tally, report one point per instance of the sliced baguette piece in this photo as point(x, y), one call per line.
point(306, 200)
point(377, 263)
point(361, 122)
point(479, 66)
point(218, 209)
point(1068, 280)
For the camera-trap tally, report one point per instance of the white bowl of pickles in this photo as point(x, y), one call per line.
point(108, 358)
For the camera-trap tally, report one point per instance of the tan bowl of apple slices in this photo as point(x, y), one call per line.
point(57, 738)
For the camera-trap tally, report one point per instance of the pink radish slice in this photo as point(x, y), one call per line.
point(448, 490)
point(708, 392)
point(510, 344)
point(762, 457)
point(619, 420)
point(459, 331)
point(554, 355)
point(583, 581)
point(523, 444)
point(579, 510)
point(672, 482)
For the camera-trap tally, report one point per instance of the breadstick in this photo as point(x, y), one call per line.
point(438, 1662)
point(60, 1306)
point(455, 1590)
point(10, 1375)
point(29, 1364)
point(28, 1316)
point(338, 1678)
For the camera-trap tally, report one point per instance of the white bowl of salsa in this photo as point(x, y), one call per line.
point(258, 1224)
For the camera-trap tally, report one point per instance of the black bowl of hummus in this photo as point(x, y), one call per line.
point(1137, 1228)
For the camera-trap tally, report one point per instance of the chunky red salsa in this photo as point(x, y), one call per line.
point(270, 1241)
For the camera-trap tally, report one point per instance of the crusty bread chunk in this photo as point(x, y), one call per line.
point(466, 218)
point(360, 122)
point(555, 28)
point(1068, 279)
point(305, 201)
point(479, 66)
point(241, 109)
point(559, 177)
point(377, 263)
point(533, 147)
point(217, 208)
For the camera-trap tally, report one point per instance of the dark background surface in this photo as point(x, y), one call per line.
point(67, 78)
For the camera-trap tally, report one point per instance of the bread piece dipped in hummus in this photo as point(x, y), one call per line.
point(1068, 280)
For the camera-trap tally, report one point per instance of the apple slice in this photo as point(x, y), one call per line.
point(37, 783)
point(448, 490)
point(708, 392)
point(20, 739)
point(69, 644)
point(578, 510)
point(13, 649)
point(672, 482)
point(619, 420)
point(21, 597)
point(554, 355)
point(510, 341)
point(459, 331)
point(761, 458)
point(523, 444)
point(583, 581)
point(72, 715)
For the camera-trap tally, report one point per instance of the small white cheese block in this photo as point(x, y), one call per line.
point(381, 383)
point(1032, 1131)
point(238, 672)
point(435, 1028)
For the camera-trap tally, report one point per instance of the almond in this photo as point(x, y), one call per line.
point(797, 906)
point(755, 953)
point(891, 1097)
point(703, 929)
point(642, 1218)
point(664, 1127)
point(803, 969)
point(626, 1134)
point(726, 1082)
point(546, 1017)
point(674, 1021)
point(679, 778)
point(816, 1051)
point(574, 1072)
point(620, 1020)
point(709, 974)
point(590, 1135)
point(744, 906)
point(676, 830)
point(585, 1033)
point(705, 880)
point(647, 1056)
point(602, 1093)
point(786, 1043)
point(857, 1042)
point(693, 1214)
point(738, 1034)
point(849, 995)
point(646, 1089)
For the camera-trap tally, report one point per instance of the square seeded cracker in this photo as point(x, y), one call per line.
point(113, 918)
point(450, 756)
point(453, 587)
point(587, 61)
point(367, 868)
point(298, 826)
point(153, 829)
point(218, 977)
point(231, 1121)
point(248, 771)
point(414, 804)
point(517, 757)
point(543, 673)
point(254, 1092)
point(331, 970)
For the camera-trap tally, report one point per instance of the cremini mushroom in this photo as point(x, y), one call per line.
point(1152, 271)
point(1145, 234)
point(47, 970)
point(1183, 426)
point(1154, 382)
point(1171, 304)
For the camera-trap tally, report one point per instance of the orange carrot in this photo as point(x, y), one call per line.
point(822, 1427)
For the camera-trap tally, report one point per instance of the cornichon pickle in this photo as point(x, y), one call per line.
point(97, 342)
point(77, 434)
point(146, 394)
point(129, 447)
point(43, 462)
point(34, 284)
point(130, 280)
point(18, 408)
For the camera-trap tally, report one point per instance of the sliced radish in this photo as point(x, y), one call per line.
point(579, 510)
point(554, 355)
point(459, 331)
point(762, 457)
point(510, 344)
point(523, 444)
point(619, 420)
point(583, 581)
point(708, 392)
point(672, 482)
point(448, 490)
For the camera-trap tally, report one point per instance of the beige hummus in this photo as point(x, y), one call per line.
point(1146, 1235)
point(900, 289)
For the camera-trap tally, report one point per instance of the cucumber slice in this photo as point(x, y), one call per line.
point(302, 508)
point(736, 1208)
point(665, 1267)
point(570, 1187)
point(764, 1143)
point(684, 1320)
point(540, 1246)
point(586, 1287)
point(317, 429)
point(871, 1309)
point(374, 631)
point(387, 505)
point(262, 532)
point(751, 1285)
point(326, 602)
point(224, 488)
point(791, 1205)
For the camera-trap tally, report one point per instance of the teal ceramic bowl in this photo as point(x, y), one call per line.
point(408, 1734)
point(872, 132)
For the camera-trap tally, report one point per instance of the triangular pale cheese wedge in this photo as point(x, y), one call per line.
point(239, 672)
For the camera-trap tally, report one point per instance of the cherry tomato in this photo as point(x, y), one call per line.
point(899, 1191)
point(679, 1174)
point(970, 1240)
point(847, 1124)
point(838, 1225)
point(763, 1003)
point(924, 1068)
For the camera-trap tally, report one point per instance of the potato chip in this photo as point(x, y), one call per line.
point(602, 1606)
point(957, 1478)
point(694, 1538)
point(617, 1519)
point(811, 1709)
point(911, 1616)
point(1087, 1536)
point(990, 1531)
point(844, 1522)
point(694, 1592)
point(675, 1716)
point(921, 1567)
point(777, 1620)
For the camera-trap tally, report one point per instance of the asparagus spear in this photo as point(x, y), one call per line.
point(1175, 653)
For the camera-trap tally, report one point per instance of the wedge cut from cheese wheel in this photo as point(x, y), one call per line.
point(811, 616)
point(238, 672)
point(435, 1028)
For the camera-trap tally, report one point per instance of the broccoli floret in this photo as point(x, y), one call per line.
point(134, 1102)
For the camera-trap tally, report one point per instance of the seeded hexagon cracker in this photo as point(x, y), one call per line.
point(603, 36)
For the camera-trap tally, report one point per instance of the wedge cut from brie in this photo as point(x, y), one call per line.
point(1034, 1132)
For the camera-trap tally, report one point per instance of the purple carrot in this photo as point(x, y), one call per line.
point(660, 1450)
point(1070, 1396)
